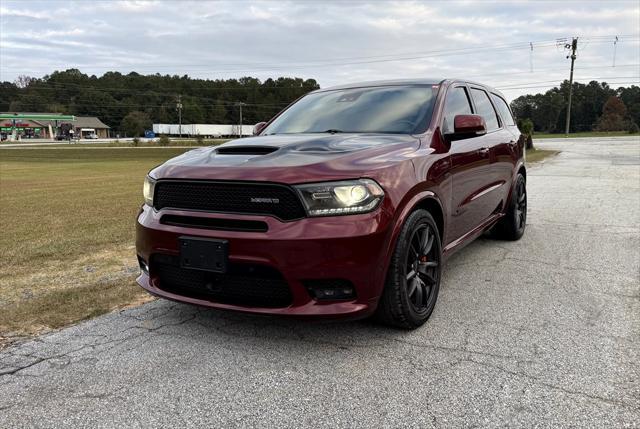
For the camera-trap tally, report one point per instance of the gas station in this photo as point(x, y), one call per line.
point(32, 125)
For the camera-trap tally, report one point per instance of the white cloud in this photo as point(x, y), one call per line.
point(333, 42)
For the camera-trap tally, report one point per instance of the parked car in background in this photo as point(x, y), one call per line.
point(346, 204)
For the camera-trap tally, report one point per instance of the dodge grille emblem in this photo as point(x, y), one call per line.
point(265, 200)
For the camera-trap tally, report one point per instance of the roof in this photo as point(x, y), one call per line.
point(89, 122)
point(423, 81)
point(392, 82)
point(80, 122)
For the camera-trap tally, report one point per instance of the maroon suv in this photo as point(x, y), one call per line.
point(346, 204)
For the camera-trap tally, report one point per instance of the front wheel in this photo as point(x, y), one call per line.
point(413, 279)
point(512, 225)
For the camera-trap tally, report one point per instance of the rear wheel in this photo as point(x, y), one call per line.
point(413, 279)
point(512, 225)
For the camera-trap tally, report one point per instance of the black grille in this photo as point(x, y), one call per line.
point(230, 197)
point(243, 284)
point(214, 223)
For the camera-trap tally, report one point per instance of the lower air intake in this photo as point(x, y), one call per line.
point(245, 285)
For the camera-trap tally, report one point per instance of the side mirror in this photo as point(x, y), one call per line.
point(257, 129)
point(467, 126)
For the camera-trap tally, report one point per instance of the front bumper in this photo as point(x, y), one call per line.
point(352, 248)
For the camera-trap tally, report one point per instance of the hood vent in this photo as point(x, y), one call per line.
point(246, 150)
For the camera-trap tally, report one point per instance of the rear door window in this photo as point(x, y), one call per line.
point(457, 103)
point(485, 108)
point(503, 109)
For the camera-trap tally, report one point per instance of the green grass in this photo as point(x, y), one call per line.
point(58, 202)
point(583, 134)
point(537, 155)
point(67, 245)
point(180, 143)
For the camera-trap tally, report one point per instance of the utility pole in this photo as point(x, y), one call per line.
point(574, 47)
point(240, 104)
point(179, 107)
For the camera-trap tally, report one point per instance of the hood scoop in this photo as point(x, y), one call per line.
point(246, 150)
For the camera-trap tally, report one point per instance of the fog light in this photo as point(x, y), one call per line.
point(330, 289)
point(143, 265)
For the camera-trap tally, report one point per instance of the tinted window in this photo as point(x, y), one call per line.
point(386, 109)
point(457, 103)
point(503, 109)
point(485, 109)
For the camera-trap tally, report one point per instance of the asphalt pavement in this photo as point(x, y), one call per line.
point(540, 332)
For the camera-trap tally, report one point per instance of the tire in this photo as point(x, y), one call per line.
point(511, 227)
point(413, 279)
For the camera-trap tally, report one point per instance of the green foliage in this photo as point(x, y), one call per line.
point(113, 96)
point(135, 123)
point(164, 140)
point(548, 110)
point(525, 126)
point(633, 128)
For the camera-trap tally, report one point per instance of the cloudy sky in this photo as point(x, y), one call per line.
point(516, 46)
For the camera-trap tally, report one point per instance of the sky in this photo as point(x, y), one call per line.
point(515, 46)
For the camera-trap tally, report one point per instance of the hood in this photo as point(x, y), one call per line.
point(290, 158)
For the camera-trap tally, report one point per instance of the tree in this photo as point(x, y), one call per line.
point(526, 128)
point(135, 123)
point(630, 96)
point(614, 116)
point(218, 114)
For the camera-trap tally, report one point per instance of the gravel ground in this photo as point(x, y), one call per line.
point(540, 332)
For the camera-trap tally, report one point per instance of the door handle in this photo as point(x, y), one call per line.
point(484, 151)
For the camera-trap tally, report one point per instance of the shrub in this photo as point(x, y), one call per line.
point(526, 128)
point(633, 128)
point(164, 140)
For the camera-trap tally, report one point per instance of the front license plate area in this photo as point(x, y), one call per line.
point(205, 254)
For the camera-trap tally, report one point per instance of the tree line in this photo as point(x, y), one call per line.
point(130, 103)
point(595, 107)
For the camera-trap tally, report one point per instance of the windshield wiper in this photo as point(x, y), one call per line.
point(333, 131)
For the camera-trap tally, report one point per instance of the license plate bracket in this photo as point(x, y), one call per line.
point(204, 254)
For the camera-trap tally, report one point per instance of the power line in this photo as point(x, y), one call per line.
point(365, 60)
point(552, 86)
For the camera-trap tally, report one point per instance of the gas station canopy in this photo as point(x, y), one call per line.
point(36, 116)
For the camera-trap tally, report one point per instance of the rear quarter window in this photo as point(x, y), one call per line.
point(485, 108)
point(503, 110)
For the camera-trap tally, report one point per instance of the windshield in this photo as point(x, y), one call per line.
point(386, 109)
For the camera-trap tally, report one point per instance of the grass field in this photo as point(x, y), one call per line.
point(123, 143)
point(67, 245)
point(67, 221)
point(583, 134)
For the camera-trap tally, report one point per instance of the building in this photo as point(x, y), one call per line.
point(204, 130)
point(43, 125)
point(85, 126)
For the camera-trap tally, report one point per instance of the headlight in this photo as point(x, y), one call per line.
point(338, 198)
point(147, 190)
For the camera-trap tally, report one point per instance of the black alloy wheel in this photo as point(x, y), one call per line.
point(512, 225)
point(421, 267)
point(413, 278)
